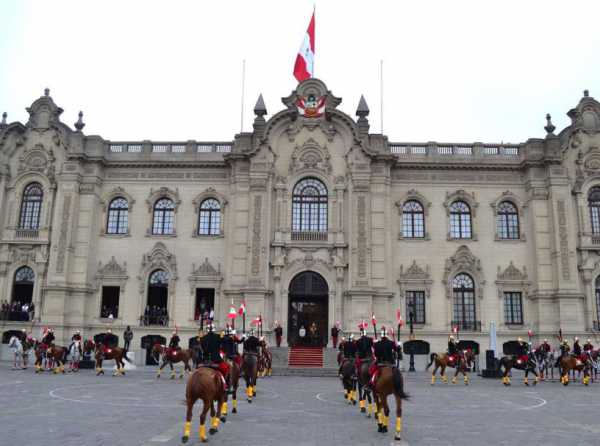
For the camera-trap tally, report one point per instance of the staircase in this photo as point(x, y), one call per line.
point(306, 357)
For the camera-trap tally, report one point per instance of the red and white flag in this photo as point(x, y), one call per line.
point(373, 320)
point(232, 313)
point(242, 308)
point(305, 61)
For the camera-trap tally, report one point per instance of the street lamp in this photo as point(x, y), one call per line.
point(411, 317)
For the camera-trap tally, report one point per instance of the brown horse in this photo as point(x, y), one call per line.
point(568, 363)
point(265, 360)
point(205, 384)
point(389, 382)
point(234, 382)
point(53, 353)
point(101, 353)
point(250, 372)
point(364, 391)
point(169, 356)
point(443, 360)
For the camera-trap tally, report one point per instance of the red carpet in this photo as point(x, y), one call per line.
point(306, 357)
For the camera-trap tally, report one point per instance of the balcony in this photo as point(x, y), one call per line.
point(466, 325)
point(309, 236)
point(596, 326)
point(30, 234)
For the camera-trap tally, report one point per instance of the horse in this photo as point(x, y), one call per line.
point(75, 356)
point(28, 344)
point(102, 352)
point(172, 356)
point(524, 362)
point(364, 390)
point(443, 360)
point(348, 377)
point(52, 354)
point(389, 382)
point(234, 381)
point(570, 362)
point(205, 384)
point(265, 361)
point(15, 345)
point(250, 372)
point(545, 361)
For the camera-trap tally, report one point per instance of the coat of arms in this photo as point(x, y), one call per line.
point(311, 106)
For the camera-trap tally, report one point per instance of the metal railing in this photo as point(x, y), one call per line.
point(27, 233)
point(466, 325)
point(309, 236)
point(200, 147)
point(596, 325)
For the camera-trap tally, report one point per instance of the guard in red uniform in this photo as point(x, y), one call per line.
point(385, 355)
point(211, 347)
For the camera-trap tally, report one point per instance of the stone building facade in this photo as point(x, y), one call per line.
point(308, 218)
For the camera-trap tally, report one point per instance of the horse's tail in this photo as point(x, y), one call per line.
point(63, 358)
point(431, 359)
point(399, 384)
point(499, 364)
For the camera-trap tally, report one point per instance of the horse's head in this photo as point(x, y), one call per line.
point(157, 350)
point(469, 357)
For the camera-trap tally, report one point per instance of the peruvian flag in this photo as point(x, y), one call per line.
point(304, 66)
point(232, 313)
point(242, 308)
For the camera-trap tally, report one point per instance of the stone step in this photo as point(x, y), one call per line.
point(306, 371)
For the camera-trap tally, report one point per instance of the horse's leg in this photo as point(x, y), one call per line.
point(214, 425)
point(235, 385)
point(172, 369)
point(443, 373)
point(160, 367)
point(378, 412)
point(398, 435)
point(386, 414)
point(456, 370)
point(223, 410)
point(435, 367)
point(188, 420)
point(465, 375)
point(206, 404)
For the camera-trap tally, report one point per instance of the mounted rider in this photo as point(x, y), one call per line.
point(578, 351)
point(364, 348)
point(348, 350)
point(454, 353)
point(588, 346)
point(173, 347)
point(545, 346)
point(523, 353)
point(229, 345)
point(211, 349)
point(48, 339)
point(385, 356)
point(76, 338)
point(252, 344)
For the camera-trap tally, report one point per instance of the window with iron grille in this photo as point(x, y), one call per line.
point(464, 299)
point(164, 214)
point(309, 206)
point(507, 221)
point(460, 220)
point(415, 303)
point(209, 222)
point(118, 213)
point(31, 206)
point(598, 298)
point(594, 206)
point(513, 308)
point(413, 220)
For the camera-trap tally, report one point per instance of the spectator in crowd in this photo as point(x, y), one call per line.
point(127, 336)
point(31, 311)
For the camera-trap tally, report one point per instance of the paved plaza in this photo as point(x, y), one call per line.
point(139, 410)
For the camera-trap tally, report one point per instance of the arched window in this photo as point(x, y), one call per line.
point(460, 220)
point(598, 303)
point(209, 222)
point(507, 221)
point(309, 206)
point(413, 221)
point(22, 293)
point(164, 212)
point(31, 207)
point(118, 211)
point(464, 302)
point(594, 205)
point(158, 294)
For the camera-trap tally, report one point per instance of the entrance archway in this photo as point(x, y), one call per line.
point(308, 304)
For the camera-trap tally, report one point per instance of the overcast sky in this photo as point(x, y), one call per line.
point(453, 71)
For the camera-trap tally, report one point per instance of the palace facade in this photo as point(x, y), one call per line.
point(308, 218)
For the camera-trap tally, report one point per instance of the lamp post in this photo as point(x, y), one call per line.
point(411, 316)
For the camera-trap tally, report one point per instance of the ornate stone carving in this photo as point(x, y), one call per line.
point(22, 254)
point(461, 195)
point(256, 235)
point(414, 271)
point(205, 269)
point(310, 156)
point(159, 257)
point(205, 275)
point(112, 274)
point(415, 278)
point(37, 159)
point(156, 194)
point(62, 240)
point(512, 279)
point(362, 235)
point(564, 239)
point(463, 261)
point(114, 193)
point(512, 273)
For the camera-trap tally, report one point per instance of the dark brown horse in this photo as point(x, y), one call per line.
point(569, 362)
point(204, 384)
point(102, 352)
point(526, 363)
point(234, 382)
point(389, 382)
point(170, 356)
point(348, 377)
point(364, 391)
point(443, 360)
point(265, 360)
point(250, 372)
point(54, 353)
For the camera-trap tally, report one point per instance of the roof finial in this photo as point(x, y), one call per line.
point(362, 111)
point(79, 125)
point(586, 93)
point(4, 115)
point(549, 126)
point(46, 91)
point(260, 109)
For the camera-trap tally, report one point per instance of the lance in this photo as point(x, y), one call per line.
point(374, 322)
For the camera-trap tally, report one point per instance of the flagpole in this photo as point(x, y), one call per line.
point(243, 91)
point(381, 93)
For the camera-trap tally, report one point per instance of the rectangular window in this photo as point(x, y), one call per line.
point(205, 302)
point(110, 301)
point(513, 308)
point(415, 303)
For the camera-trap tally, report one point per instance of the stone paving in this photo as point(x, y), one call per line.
point(139, 410)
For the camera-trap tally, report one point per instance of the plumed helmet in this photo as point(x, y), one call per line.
point(589, 341)
point(363, 331)
point(252, 332)
point(174, 333)
point(232, 331)
point(109, 331)
point(23, 330)
point(451, 338)
point(227, 330)
point(211, 328)
point(545, 340)
point(351, 337)
point(576, 339)
point(519, 339)
point(384, 333)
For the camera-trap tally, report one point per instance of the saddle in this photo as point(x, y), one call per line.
point(522, 359)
